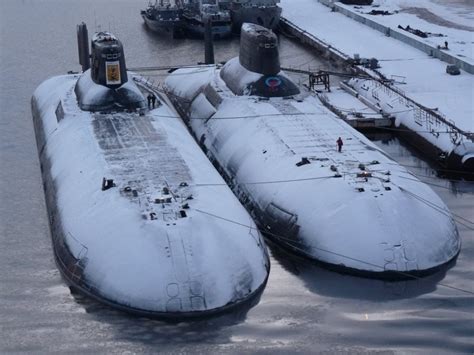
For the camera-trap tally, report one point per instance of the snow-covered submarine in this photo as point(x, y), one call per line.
point(356, 211)
point(139, 216)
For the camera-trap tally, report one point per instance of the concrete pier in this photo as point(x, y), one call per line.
point(405, 37)
point(428, 121)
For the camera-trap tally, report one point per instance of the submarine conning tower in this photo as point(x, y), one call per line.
point(105, 86)
point(108, 61)
point(257, 69)
point(259, 50)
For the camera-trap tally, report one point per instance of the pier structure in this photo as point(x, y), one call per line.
point(437, 114)
point(378, 23)
point(352, 108)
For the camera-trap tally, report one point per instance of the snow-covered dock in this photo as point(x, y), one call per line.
point(444, 100)
point(422, 24)
point(344, 101)
point(346, 104)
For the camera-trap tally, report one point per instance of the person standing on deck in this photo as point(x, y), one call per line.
point(339, 144)
point(149, 100)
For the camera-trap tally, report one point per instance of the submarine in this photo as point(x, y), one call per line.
point(139, 217)
point(355, 210)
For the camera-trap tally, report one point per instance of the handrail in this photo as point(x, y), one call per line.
point(379, 78)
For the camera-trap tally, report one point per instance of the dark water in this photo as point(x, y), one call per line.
point(303, 308)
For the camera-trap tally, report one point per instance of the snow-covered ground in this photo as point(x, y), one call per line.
point(424, 78)
point(456, 27)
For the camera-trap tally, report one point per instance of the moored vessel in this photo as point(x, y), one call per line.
point(265, 13)
point(357, 2)
point(198, 12)
point(351, 208)
point(139, 217)
point(165, 16)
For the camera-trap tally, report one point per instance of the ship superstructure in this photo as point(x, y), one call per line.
point(181, 17)
point(265, 13)
point(165, 16)
point(198, 12)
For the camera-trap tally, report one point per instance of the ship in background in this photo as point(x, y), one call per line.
point(165, 16)
point(189, 17)
point(197, 12)
point(357, 2)
point(265, 13)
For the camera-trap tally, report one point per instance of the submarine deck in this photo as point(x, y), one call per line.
point(140, 156)
point(155, 241)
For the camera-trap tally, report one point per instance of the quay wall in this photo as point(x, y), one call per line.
point(400, 35)
point(345, 61)
point(325, 50)
point(435, 149)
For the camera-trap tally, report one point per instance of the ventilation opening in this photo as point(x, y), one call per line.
point(107, 184)
point(303, 161)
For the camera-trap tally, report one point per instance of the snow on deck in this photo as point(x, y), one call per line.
point(142, 156)
point(425, 77)
point(162, 262)
point(281, 154)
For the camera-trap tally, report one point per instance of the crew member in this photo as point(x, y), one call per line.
point(339, 144)
point(153, 100)
point(149, 98)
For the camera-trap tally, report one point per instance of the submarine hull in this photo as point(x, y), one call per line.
point(355, 210)
point(147, 245)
